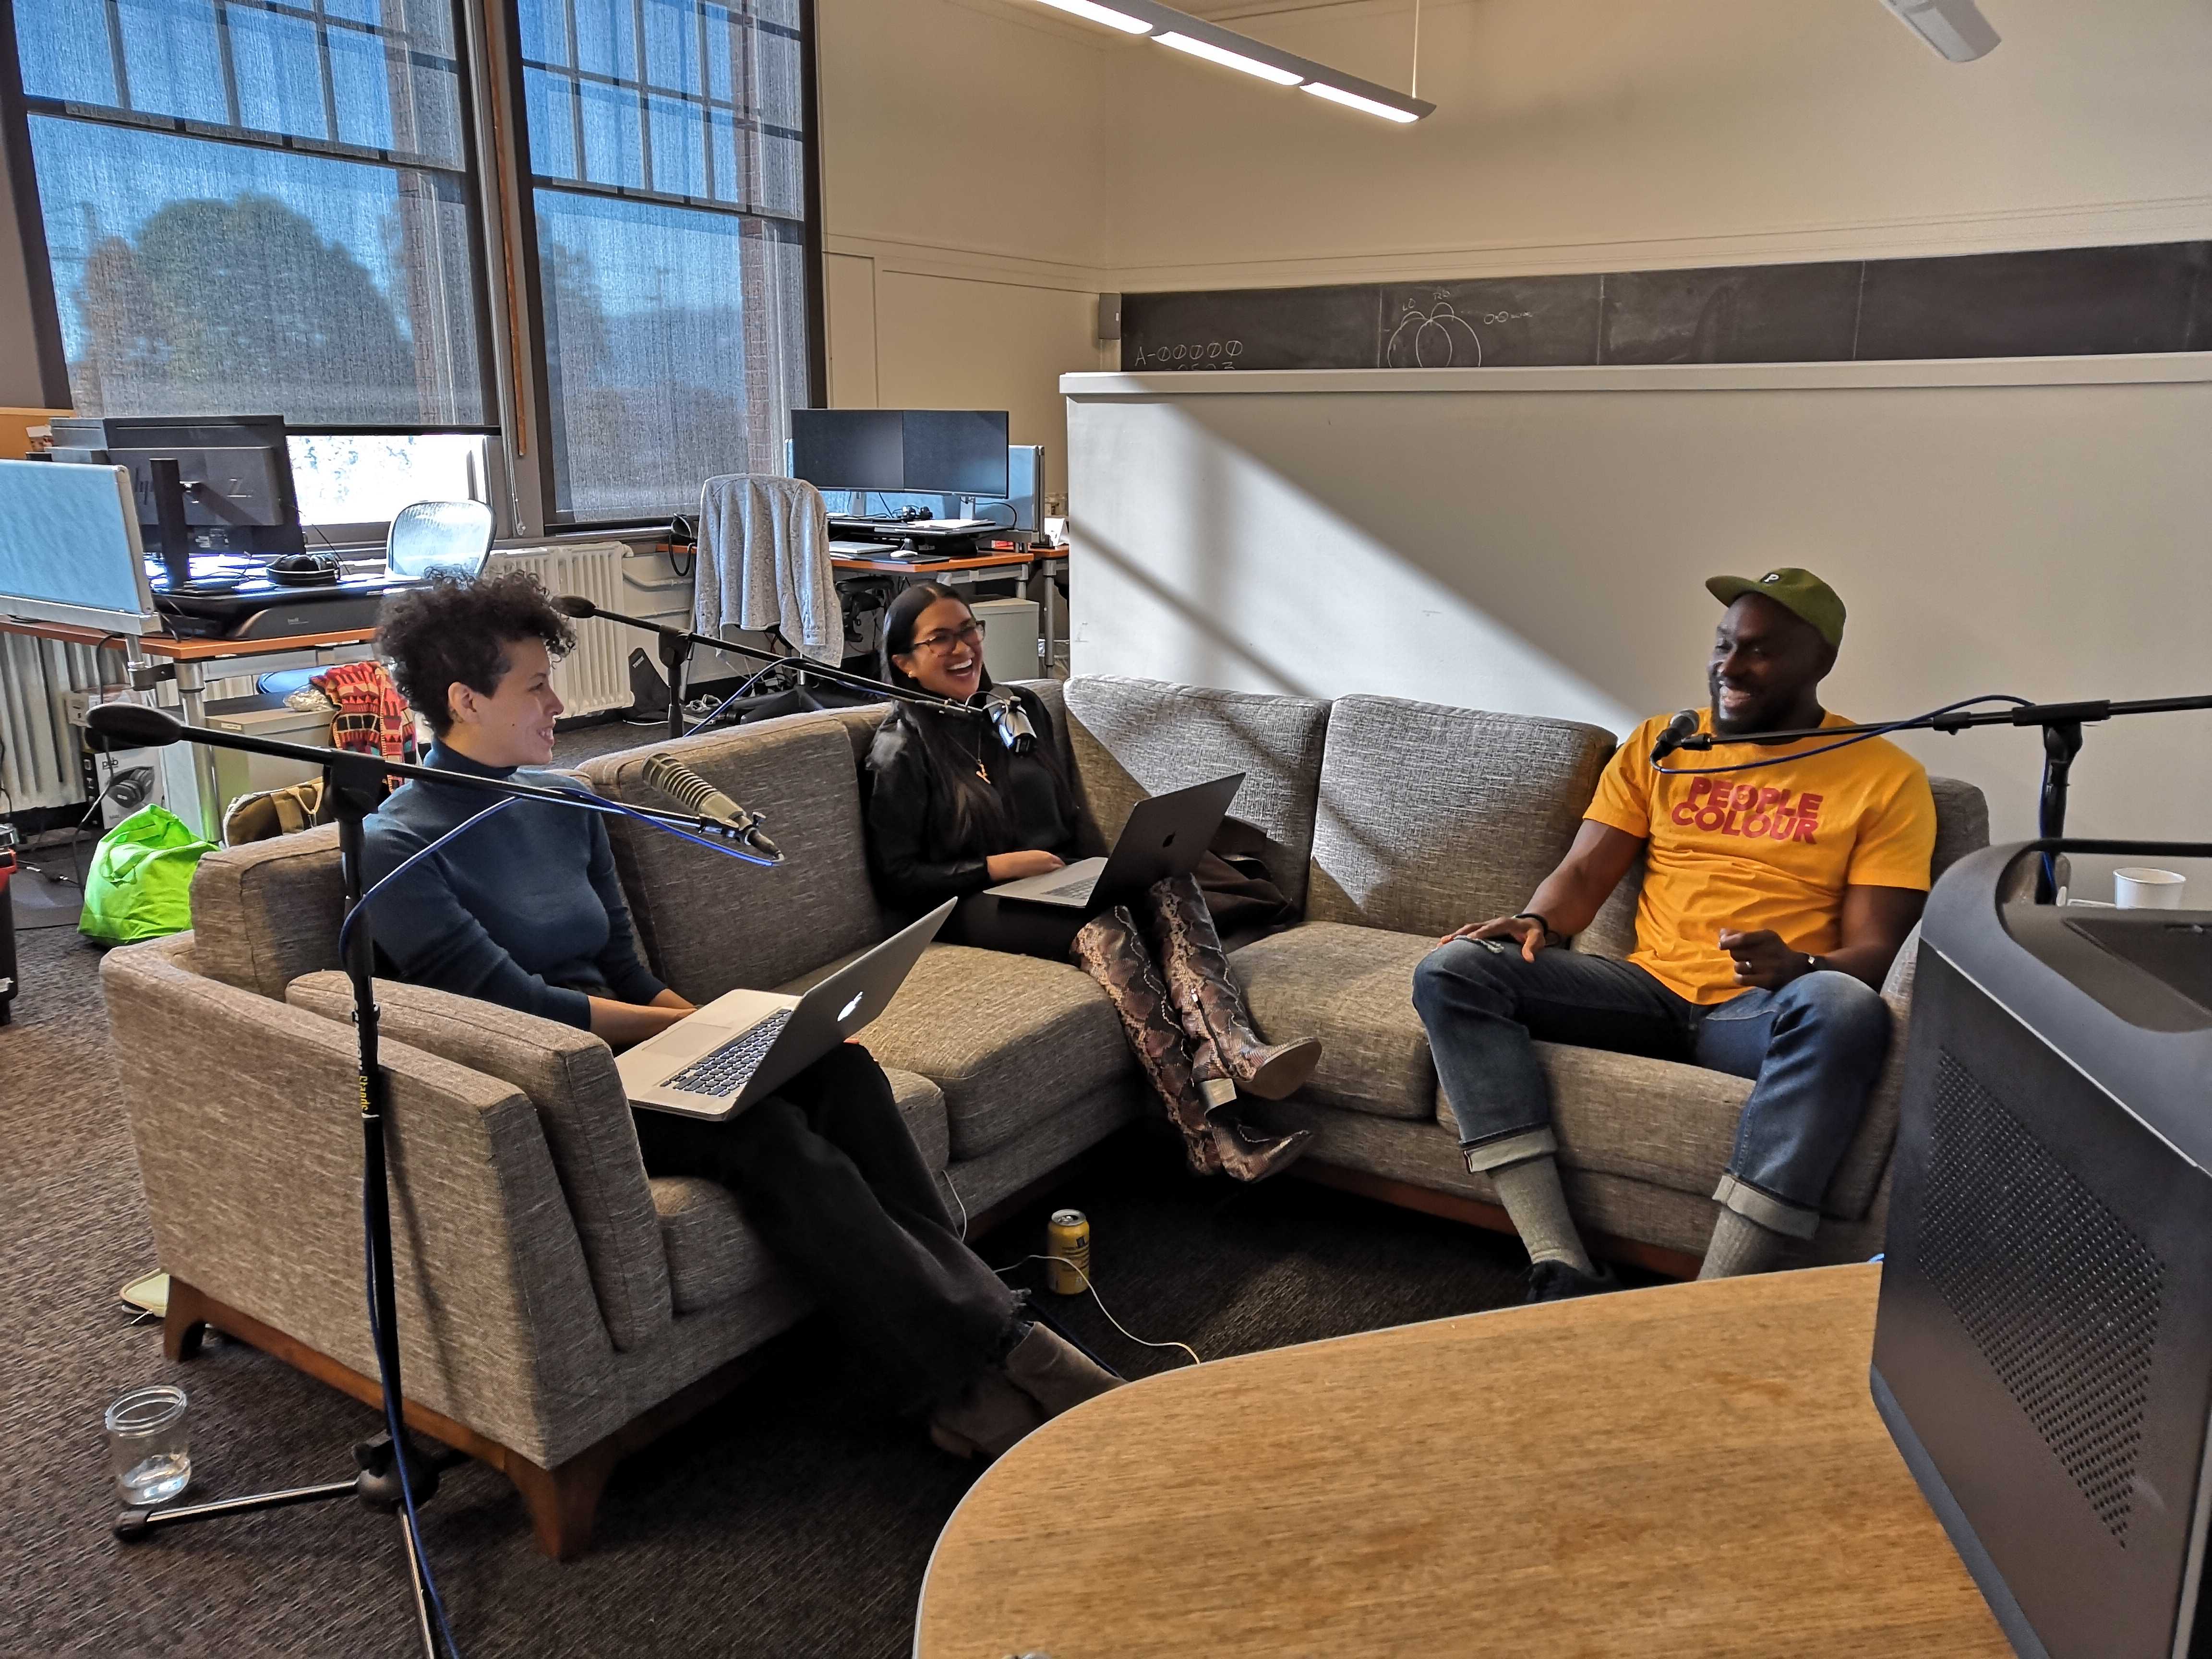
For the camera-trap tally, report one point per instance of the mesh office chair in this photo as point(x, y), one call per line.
point(450, 536)
point(446, 536)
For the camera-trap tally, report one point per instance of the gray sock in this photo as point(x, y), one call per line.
point(1741, 1245)
point(1531, 1193)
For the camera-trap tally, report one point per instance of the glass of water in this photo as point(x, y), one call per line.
point(147, 1449)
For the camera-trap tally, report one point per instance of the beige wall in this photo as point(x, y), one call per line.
point(1605, 134)
point(962, 208)
point(1535, 540)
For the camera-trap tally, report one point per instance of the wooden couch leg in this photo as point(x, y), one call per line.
point(185, 1323)
point(564, 1502)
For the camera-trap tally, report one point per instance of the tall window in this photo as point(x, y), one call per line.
point(255, 205)
point(667, 163)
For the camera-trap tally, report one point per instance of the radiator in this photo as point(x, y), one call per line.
point(594, 676)
point(38, 751)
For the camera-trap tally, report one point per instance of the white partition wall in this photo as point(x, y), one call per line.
point(1535, 540)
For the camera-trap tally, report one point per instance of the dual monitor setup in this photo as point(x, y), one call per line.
point(192, 524)
point(917, 484)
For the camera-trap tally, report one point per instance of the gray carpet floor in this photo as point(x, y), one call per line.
point(789, 1521)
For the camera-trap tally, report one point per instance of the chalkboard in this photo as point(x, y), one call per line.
point(2063, 302)
point(1494, 323)
point(1732, 314)
point(1251, 328)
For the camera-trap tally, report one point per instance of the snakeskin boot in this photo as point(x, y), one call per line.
point(1207, 1000)
point(1111, 950)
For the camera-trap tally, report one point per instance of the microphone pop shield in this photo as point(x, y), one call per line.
point(574, 605)
point(112, 726)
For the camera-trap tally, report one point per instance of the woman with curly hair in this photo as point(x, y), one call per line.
point(525, 910)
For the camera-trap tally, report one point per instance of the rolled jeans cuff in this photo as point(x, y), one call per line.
point(1793, 1220)
point(1515, 1148)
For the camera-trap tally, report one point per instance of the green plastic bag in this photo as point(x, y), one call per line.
point(141, 884)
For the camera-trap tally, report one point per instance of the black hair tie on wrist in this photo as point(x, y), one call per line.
point(1552, 938)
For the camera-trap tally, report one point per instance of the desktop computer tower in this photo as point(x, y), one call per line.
point(2043, 1352)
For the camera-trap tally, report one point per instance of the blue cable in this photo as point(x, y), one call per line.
point(588, 802)
point(1845, 743)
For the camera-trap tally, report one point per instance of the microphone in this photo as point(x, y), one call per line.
point(1680, 730)
point(679, 782)
point(1010, 719)
point(115, 725)
point(574, 605)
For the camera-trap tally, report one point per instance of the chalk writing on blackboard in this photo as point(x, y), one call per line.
point(1438, 338)
point(1201, 354)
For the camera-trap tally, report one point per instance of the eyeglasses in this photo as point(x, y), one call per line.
point(945, 639)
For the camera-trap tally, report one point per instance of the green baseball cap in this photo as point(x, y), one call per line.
point(1799, 592)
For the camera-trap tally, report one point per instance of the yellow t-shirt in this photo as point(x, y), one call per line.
point(1771, 848)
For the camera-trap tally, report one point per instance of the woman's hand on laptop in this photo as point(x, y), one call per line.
point(1015, 867)
point(622, 1023)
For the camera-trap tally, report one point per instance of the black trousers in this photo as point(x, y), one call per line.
point(1023, 930)
point(826, 1168)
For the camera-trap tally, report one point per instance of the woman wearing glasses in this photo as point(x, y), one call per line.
point(954, 812)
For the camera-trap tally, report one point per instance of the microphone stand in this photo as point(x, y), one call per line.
point(676, 646)
point(394, 1474)
point(2062, 724)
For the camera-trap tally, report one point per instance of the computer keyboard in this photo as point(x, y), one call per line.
point(1073, 889)
point(727, 1069)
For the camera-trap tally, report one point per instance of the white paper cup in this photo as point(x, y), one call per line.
point(2139, 888)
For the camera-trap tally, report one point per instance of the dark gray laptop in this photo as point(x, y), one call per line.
point(1165, 835)
point(746, 1044)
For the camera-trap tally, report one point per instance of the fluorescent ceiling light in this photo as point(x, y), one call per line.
point(1241, 52)
point(1353, 100)
point(1106, 15)
point(1227, 59)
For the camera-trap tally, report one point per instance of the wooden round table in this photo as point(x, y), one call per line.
point(1694, 1470)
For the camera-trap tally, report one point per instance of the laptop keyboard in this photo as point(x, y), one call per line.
point(727, 1069)
point(1073, 889)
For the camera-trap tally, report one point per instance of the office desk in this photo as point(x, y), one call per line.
point(192, 657)
point(1021, 567)
point(1688, 1471)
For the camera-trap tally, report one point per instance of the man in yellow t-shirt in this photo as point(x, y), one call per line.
point(1779, 883)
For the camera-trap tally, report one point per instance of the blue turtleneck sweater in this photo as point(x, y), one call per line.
point(523, 910)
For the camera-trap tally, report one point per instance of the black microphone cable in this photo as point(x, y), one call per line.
point(1830, 748)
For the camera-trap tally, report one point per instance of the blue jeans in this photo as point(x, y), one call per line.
point(1814, 1046)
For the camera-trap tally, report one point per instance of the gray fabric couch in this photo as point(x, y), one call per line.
point(558, 1306)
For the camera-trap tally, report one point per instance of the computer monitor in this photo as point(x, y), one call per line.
point(950, 451)
point(69, 550)
point(956, 451)
point(862, 449)
point(236, 471)
point(1015, 508)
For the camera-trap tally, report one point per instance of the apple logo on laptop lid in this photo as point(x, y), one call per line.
point(846, 1013)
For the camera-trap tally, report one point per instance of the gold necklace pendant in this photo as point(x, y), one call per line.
point(981, 771)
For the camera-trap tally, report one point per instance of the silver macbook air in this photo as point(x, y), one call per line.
point(746, 1044)
point(1166, 836)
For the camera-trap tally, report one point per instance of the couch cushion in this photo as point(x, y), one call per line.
point(1010, 1040)
point(1353, 988)
point(1132, 738)
point(710, 923)
point(1962, 821)
point(266, 913)
point(1430, 817)
point(713, 1255)
point(570, 1076)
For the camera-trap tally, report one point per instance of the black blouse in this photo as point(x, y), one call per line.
point(917, 857)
